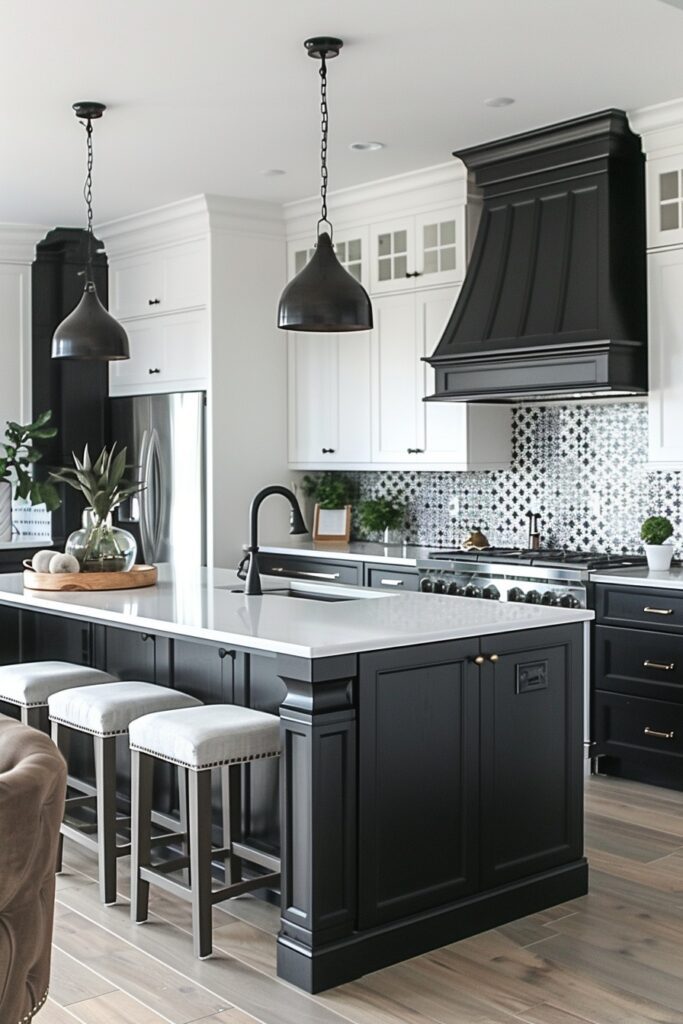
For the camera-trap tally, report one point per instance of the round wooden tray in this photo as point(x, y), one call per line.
point(139, 576)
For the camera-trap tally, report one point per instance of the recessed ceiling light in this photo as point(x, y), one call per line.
point(365, 147)
point(499, 101)
point(273, 172)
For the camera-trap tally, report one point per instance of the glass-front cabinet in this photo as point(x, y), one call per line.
point(419, 251)
point(350, 245)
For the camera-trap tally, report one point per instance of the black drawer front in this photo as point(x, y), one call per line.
point(386, 578)
point(311, 569)
point(638, 729)
point(641, 607)
point(639, 662)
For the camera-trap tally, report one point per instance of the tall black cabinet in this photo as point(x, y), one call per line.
point(76, 391)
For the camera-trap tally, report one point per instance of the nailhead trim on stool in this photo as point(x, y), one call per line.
point(65, 676)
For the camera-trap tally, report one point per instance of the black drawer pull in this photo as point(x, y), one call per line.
point(415, 451)
point(658, 611)
point(153, 302)
point(666, 666)
point(327, 451)
point(660, 735)
point(154, 369)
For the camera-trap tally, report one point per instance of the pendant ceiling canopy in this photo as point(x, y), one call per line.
point(90, 332)
point(323, 296)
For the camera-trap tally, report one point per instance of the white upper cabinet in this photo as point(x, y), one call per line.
point(665, 277)
point(329, 400)
point(418, 251)
point(164, 280)
point(665, 201)
point(408, 432)
point(167, 353)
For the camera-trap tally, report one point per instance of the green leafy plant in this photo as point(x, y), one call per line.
point(379, 514)
point(330, 490)
point(102, 482)
point(656, 530)
point(21, 454)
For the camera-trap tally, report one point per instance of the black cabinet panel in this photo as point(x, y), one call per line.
point(387, 578)
point(531, 752)
point(312, 570)
point(52, 638)
point(418, 739)
point(639, 662)
point(639, 607)
point(645, 733)
point(136, 656)
point(10, 651)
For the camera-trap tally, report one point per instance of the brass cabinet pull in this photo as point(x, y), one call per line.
point(391, 583)
point(479, 660)
point(493, 657)
point(658, 611)
point(660, 735)
point(666, 666)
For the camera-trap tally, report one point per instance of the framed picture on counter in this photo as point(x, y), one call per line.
point(332, 524)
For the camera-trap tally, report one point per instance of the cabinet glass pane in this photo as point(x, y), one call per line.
point(447, 258)
point(400, 241)
point(400, 266)
point(384, 270)
point(431, 261)
point(355, 270)
point(438, 247)
point(431, 239)
point(384, 245)
point(447, 233)
point(668, 216)
point(340, 249)
point(668, 185)
point(354, 249)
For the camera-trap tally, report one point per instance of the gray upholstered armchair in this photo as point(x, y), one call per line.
point(32, 790)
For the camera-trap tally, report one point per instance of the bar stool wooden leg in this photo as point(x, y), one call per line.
point(199, 792)
point(231, 790)
point(35, 717)
point(183, 816)
point(105, 782)
point(142, 771)
point(60, 738)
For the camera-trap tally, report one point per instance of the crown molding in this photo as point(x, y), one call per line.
point(661, 125)
point(18, 242)
point(190, 219)
point(428, 187)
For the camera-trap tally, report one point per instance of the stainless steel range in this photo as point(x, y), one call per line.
point(552, 577)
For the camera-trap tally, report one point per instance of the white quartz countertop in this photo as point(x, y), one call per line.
point(25, 543)
point(199, 604)
point(356, 551)
point(641, 576)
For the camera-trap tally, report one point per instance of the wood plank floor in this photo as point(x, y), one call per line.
point(612, 957)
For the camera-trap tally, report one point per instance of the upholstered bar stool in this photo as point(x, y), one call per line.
point(29, 686)
point(198, 740)
point(105, 713)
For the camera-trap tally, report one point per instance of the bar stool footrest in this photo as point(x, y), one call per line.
point(247, 885)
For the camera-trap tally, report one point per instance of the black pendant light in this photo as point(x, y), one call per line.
point(324, 296)
point(90, 332)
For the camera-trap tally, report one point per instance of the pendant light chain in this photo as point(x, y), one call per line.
point(87, 195)
point(324, 128)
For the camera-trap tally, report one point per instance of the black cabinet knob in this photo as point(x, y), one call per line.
point(415, 451)
point(327, 451)
point(153, 302)
point(414, 273)
point(154, 369)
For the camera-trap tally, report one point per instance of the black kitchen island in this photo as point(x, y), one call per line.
point(432, 781)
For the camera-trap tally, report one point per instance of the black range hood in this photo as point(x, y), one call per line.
point(554, 301)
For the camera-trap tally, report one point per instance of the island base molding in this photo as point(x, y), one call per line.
point(325, 967)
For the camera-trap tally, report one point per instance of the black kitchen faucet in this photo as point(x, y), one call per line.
point(250, 572)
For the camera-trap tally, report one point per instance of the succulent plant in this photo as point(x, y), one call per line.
point(101, 482)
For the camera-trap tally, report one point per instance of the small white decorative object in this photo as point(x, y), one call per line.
point(5, 511)
point(659, 556)
point(41, 560)
point(64, 563)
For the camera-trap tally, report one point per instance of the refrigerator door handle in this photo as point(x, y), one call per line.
point(153, 517)
point(144, 456)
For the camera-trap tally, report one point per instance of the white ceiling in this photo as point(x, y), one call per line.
point(206, 94)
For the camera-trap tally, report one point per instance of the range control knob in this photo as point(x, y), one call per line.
point(473, 591)
point(440, 587)
point(456, 589)
point(533, 597)
point(491, 593)
point(426, 585)
point(515, 594)
point(551, 598)
point(569, 601)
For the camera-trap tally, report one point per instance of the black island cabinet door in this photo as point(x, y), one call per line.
point(418, 787)
point(531, 752)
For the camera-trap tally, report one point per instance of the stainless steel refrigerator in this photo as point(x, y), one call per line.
point(166, 440)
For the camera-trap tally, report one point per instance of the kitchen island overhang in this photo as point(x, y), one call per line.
point(432, 762)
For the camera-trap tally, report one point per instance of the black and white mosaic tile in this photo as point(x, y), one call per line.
point(583, 467)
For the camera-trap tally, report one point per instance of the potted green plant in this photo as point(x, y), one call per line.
point(333, 494)
point(383, 515)
point(655, 532)
point(16, 479)
point(100, 546)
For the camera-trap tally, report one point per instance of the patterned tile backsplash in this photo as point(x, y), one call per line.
point(583, 467)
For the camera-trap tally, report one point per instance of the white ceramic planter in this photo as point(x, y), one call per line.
point(659, 556)
point(5, 511)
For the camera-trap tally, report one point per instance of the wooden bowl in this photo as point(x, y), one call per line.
point(139, 576)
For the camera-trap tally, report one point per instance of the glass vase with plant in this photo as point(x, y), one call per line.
point(20, 454)
point(100, 546)
point(383, 515)
point(655, 532)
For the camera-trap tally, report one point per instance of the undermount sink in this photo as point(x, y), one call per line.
point(306, 595)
